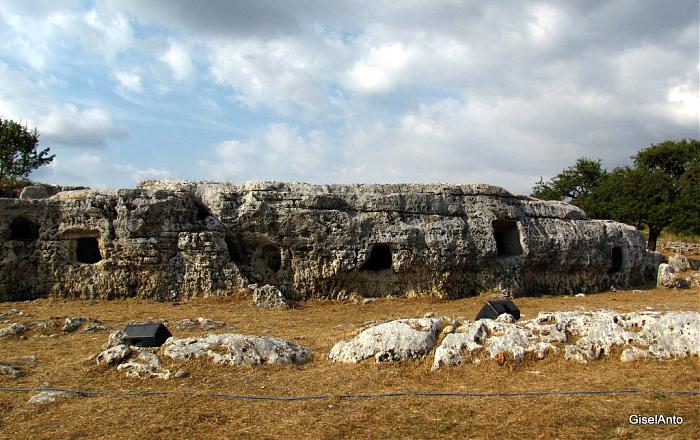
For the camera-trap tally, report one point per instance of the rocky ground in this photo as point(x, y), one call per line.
point(646, 339)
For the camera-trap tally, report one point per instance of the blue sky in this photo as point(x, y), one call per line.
point(338, 92)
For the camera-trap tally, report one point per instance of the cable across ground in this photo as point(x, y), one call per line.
point(88, 393)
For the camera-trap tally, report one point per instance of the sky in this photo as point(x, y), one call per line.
point(445, 91)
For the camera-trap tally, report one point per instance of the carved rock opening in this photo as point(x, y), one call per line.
point(22, 229)
point(379, 258)
point(615, 260)
point(87, 250)
point(272, 257)
point(507, 237)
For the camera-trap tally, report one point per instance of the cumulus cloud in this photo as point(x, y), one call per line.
point(130, 81)
point(177, 57)
point(92, 170)
point(501, 92)
point(58, 122)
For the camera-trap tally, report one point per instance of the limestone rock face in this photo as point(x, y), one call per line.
point(182, 239)
point(679, 263)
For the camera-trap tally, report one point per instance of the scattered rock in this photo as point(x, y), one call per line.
point(679, 263)
point(668, 278)
point(505, 317)
point(115, 338)
point(582, 336)
point(6, 370)
point(369, 301)
point(74, 323)
point(14, 329)
point(144, 363)
point(11, 313)
point(269, 297)
point(390, 341)
point(580, 295)
point(235, 349)
point(204, 323)
point(48, 397)
point(113, 355)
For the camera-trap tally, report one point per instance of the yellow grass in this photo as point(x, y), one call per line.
point(64, 361)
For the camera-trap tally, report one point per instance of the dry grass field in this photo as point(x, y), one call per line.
point(65, 361)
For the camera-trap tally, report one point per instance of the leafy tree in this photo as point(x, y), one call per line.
point(19, 153)
point(573, 185)
point(661, 190)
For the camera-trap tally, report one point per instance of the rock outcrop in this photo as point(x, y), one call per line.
point(181, 239)
point(390, 341)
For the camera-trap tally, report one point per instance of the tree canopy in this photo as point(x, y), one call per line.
point(660, 190)
point(19, 153)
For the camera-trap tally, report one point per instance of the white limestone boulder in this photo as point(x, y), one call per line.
point(235, 349)
point(391, 341)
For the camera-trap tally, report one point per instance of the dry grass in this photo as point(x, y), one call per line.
point(63, 361)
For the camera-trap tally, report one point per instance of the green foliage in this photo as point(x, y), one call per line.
point(18, 150)
point(573, 185)
point(661, 190)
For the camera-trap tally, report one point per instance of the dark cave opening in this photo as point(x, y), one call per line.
point(22, 229)
point(87, 250)
point(615, 260)
point(507, 237)
point(379, 258)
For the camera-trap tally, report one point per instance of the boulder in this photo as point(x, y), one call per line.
point(144, 363)
point(6, 370)
point(48, 397)
point(667, 277)
point(113, 355)
point(679, 263)
point(14, 329)
point(236, 349)
point(269, 297)
point(391, 341)
point(652, 260)
point(33, 192)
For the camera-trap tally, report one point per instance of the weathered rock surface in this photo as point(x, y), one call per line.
point(235, 349)
point(76, 322)
point(200, 323)
point(7, 370)
point(181, 239)
point(33, 192)
point(14, 329)
point(48, 397)
point(269, 297)
point(390, 341)
point(144, 363)
point(667, 277)
point(679, 263)
point(580, 336)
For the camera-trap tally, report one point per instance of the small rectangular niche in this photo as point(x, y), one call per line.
point(86, 247)
point(615, 260)
point(507, 237)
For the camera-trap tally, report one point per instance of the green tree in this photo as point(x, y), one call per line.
point(573, 185)
point(661, 190)
point(19, 153)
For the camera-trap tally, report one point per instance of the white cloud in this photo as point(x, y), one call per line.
point(130, 81)
point(280, 153)
point(92, 170)
point(177, 57)
point(379, 70)
point(58, 122)
point(280, 74)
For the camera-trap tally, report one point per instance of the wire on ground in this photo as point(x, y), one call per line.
point(343, 396)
